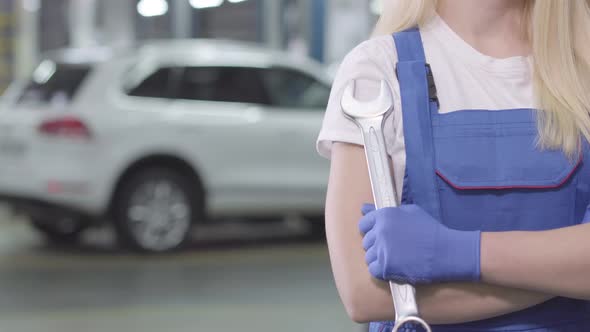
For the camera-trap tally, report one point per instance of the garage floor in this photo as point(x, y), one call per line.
point(263, 278)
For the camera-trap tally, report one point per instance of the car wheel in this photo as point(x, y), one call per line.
point(154, 210)
point(61, 230)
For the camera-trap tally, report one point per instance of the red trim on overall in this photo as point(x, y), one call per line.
point(513, 187)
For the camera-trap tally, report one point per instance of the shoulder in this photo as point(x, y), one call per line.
point(378, 48)
point(369, 63)
point(372, 57)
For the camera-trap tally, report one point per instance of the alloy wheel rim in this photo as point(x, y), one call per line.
point(159, 215)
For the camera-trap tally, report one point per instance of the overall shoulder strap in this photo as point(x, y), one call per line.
point(409, 45)
point(417, 104)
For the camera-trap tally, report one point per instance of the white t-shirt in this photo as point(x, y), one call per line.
point(464, 78)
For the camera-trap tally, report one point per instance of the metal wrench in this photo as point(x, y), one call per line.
point(369, 118)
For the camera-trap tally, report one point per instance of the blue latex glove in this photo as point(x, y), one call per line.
point(407, 245)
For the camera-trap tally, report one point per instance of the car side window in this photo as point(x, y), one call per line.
point(291, 88)
point(223, 84)
point(156, 85)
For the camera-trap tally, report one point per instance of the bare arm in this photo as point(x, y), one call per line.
point(367, 299)
point(555, 262)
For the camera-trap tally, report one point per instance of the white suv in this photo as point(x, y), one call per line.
point(162, 137)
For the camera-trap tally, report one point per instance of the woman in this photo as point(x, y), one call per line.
point(492, 162)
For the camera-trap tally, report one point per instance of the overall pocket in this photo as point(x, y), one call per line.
point(493, 177)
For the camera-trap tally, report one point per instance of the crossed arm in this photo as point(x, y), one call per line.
point(519, 269)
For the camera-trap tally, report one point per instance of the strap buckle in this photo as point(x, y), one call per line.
point(432, 93)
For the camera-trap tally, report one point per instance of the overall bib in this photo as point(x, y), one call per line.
point(482, 170)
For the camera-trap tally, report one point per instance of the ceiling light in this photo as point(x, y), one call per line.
point(201, 4)
point(149, 8)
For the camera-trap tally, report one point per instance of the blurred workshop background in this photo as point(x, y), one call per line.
point(158, 169)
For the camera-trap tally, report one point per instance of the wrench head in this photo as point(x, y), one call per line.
point(417, 321)
point(355, 108)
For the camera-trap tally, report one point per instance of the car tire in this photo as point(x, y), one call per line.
point(317, 227)
point(61, 230)
point(154, 210)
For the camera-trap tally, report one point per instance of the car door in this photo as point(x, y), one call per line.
point(244, 149)
point(298, 101)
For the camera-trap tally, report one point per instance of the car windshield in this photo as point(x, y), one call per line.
point(54, 83)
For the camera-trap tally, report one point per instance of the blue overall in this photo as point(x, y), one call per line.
point(483, 170)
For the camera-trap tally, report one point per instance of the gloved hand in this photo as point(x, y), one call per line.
point(407, 245)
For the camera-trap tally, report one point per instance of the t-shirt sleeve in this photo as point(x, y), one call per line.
point(368, 64)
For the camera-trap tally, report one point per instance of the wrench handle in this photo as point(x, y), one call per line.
point(383, 187)
point(378, 163)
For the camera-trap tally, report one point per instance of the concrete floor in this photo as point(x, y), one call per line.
point(266, 283)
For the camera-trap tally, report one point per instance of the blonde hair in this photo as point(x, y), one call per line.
point(560, 35)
